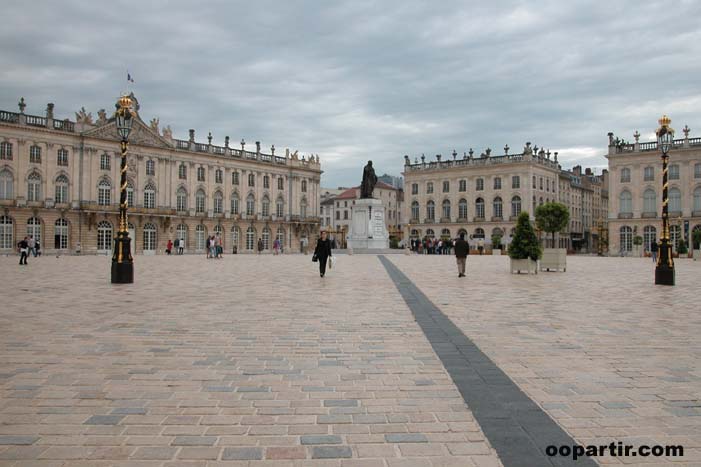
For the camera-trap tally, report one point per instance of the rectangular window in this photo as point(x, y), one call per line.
point(280, 183)
point(345, 215)
point(6, 150)
point(674, 172)
point(541, 183)
point(697, 171)
point(218, 205)
point(516, 182)
point(338, 215)
point(234, 178)
point(480, 184)
point(62, 158)
point(429, 187)
point(266, 182)
point(35, 154)
point(182, 172)
point(462, 186)
point(150, 167)
point(105, 161)
point(414, 188)
point(446, 187)
point(218, 176)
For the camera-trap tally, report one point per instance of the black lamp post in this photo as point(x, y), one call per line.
point(122, 261)
point(664, 271)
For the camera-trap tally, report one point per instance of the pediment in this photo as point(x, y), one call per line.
point(140, 134)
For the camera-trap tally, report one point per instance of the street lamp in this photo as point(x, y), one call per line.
point(122, 261)
point(664, 271)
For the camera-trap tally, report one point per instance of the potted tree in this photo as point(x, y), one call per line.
point(524, 249)
point(637, 245)
point(696, 240)
point(496, 245)
point(553, 217)
point(682, 249)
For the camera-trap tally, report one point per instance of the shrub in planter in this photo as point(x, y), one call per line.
point(637, 240)
point(682, 248)
point(496, 242)
point(524, 249)
point(553, 217)
point(696, 239)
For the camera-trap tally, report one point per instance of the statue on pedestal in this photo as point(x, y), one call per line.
point(369, 181)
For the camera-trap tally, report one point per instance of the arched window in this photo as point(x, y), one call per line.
point(675, 200)
point(649, 201)
point(430, 233)
point(479, 233)
point(149, 196)
point(6, 233)
point(649, 236)
point(625, 175)
point(266, 238)
point(280, 207)
point(251, 180)
point(200, 174)
point(34, 228)
point(234, 203)
point(6, 151)
point(280, 236)
point(105, 161)
point(250, 205)
point(626, 238)
point(200, 200)
point(149, 237)
point(150, 167)
point(200, 237)
point(697, 199)
point(6, 185)
point(34, 187)
point(675, 233)
point(104, 193)
point(181, 200)
point(497, 231)
point(462, 209)
point(61, 188)
point(462, 232)
point(446, 209)
point(181, 234)
point(182, 171)
point(61, 234)
point(626, 202)
point(218, 202)
point(265, 206)
point(415, 211)
point(445, 234)
point(497, 207)
point(250, 238)
point(104, 236)
point(235, 235)
point(303, 208)
point(130, 193)
point(479, 208)
point(430, 210)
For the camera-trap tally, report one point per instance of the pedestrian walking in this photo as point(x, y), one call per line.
point(218, 249)
point(480, 245)
point(276, 247)
point(462, 249)
point(32, 245)
point(23, 247)
point(260, 245)
point(169, 246)
point(181, 246)
point(322, 252)
point(653, 251)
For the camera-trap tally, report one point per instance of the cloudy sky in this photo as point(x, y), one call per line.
point(363, 80)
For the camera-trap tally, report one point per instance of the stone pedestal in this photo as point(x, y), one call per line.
point(368, 229)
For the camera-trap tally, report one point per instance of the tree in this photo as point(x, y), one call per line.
point(496, 241)
point(552, 217)
point(524, 243)
point(696, 238)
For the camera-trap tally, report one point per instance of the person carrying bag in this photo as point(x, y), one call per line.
point(322, 252)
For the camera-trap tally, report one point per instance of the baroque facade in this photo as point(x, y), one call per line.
point(636, 191)
point(479, 196)
point(59, 183)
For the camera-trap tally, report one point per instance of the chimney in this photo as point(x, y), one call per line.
point(588, 171)
point(577, 170)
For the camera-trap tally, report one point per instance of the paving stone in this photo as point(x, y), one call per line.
point(18, 440)
point(242, 454)
point(194, 441)
point(406, 438)
point(331, 452)
point(320, 439)
point(104, 420)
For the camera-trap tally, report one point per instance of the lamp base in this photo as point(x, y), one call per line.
point(122, 273)
point(664, 275)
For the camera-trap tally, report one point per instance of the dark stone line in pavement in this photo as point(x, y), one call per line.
point(516, 426)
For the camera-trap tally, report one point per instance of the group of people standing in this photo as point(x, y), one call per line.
point(28, 245)
point(437, 246)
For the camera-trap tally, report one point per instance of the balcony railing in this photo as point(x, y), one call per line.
point(9, 117)
point(482, 161)
point(33, 120)
point(64, 125)
point(181, 144)
point(649, 215)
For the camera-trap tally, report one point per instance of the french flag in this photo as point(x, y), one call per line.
point(129, 78)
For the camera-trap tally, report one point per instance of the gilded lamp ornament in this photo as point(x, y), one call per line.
point(122, 261)
point(664, 270)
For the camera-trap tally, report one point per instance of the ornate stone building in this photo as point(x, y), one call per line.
point(59, 182)
point(479, 196)
point(636, 191)
point(586, 196)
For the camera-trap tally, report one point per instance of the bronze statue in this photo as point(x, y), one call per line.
point(369, 181)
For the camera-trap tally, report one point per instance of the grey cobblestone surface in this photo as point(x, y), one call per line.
point(216, 363)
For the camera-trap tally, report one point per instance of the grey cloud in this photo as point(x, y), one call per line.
point(362, 80)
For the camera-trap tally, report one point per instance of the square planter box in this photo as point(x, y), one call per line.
point(524, 265)
point(554, 259)
point(697, 255)
point(496, 252)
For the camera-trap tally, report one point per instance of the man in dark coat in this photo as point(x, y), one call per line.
point(23, 246)
point(322, 252)
point(462, 249)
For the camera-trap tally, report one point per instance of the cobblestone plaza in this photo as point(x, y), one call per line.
point(387, 361)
